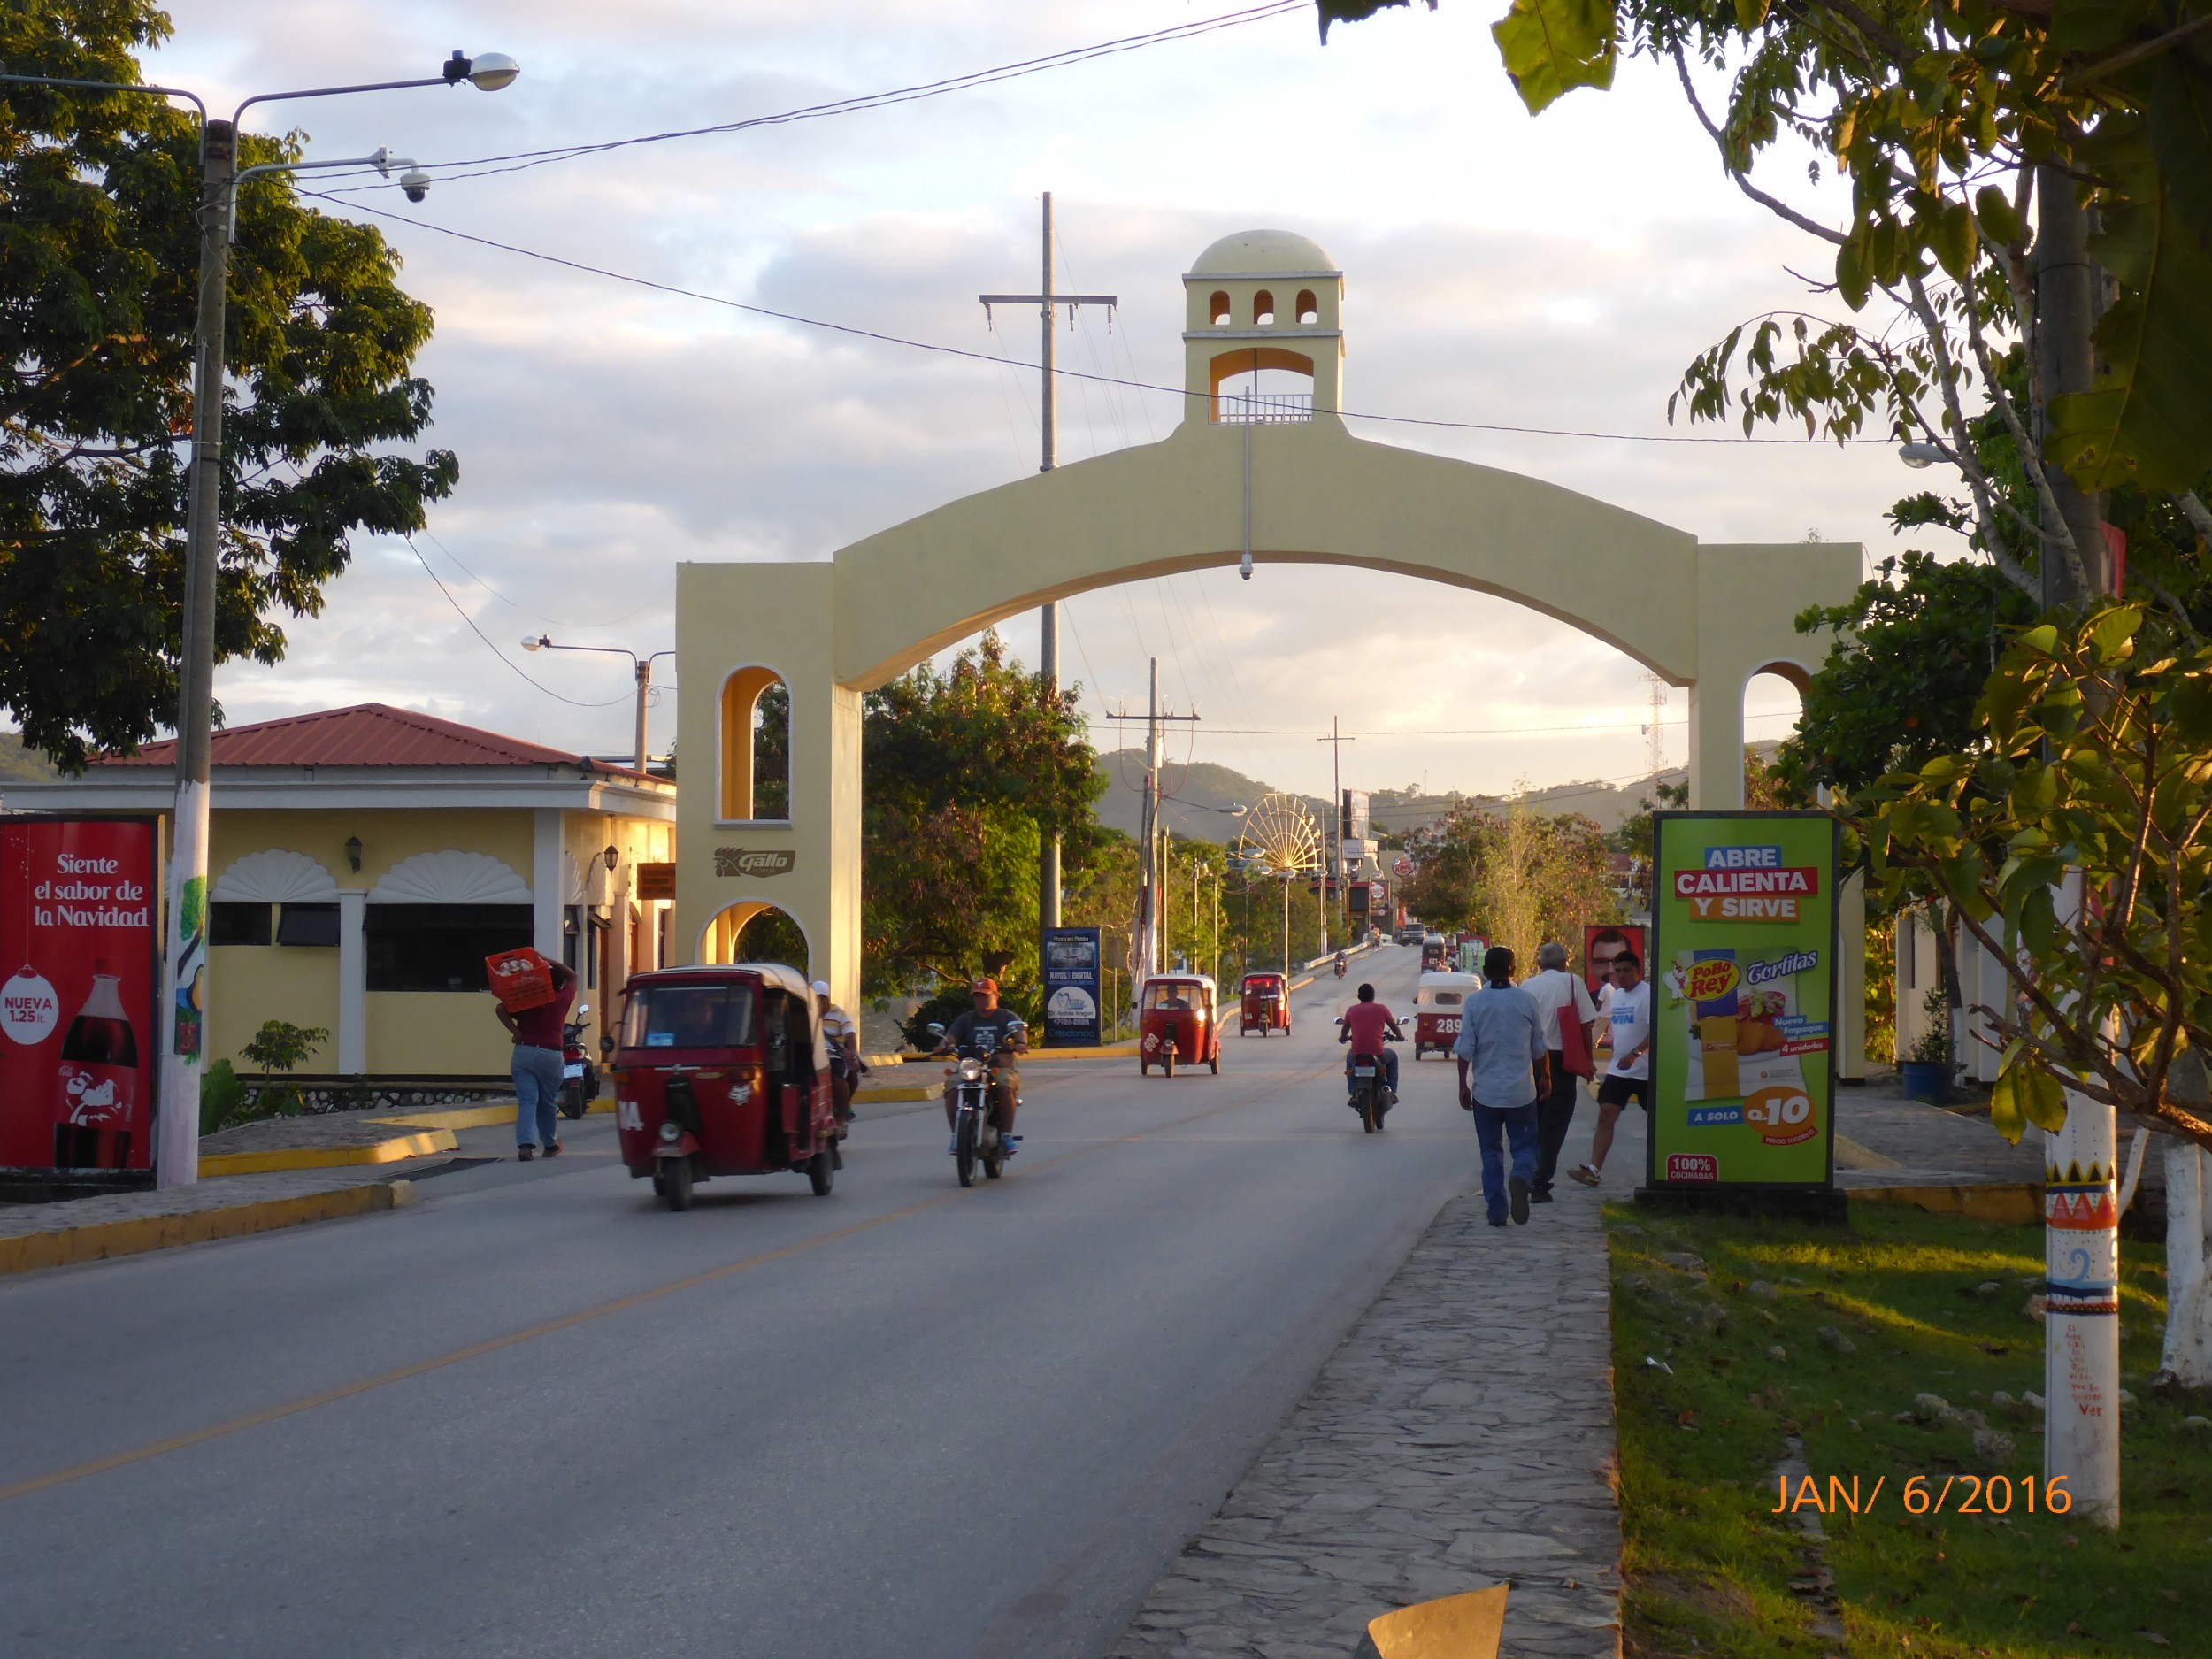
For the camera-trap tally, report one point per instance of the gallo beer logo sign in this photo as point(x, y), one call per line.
point(754, 861)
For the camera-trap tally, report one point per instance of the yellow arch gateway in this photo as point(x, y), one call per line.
point(1705, 616)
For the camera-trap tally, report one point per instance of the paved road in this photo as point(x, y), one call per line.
point(539, 1415)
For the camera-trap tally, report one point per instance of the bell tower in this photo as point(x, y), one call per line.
point(1262, 300)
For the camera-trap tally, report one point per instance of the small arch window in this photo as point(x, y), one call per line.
point(756, 745)
point(1218, 310)
point(1262, 310)
point(1308, 308)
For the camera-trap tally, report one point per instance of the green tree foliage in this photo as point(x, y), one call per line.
point(1517, 877)
point(1908, 656)
point(2095, 763)
point(963, 770)
point(1940, 113)
point(99, 261)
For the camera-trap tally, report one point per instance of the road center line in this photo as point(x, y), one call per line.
point(530, 1334)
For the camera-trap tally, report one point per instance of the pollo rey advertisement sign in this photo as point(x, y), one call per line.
point(80, 918)
point(1744, 990)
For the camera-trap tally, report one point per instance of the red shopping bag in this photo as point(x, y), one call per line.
point(519, 979)
point(1574, 1050)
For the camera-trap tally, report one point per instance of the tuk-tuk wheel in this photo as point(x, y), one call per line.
point(676, 1180)
point(1216, 1064)
point(660, 1188)
point(821, 1171)
point(1167, 1063)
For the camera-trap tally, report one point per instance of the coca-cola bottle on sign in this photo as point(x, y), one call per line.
point(96, 1105)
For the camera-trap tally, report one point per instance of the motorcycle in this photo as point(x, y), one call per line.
point(975, 1138)
point(1368, 1095)
point(1339, 967)
point(580, 1077)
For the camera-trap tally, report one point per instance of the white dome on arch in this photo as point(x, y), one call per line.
point(1264, 253)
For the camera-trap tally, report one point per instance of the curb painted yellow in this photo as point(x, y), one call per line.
point(68, 1245)
point(2009, 1203)
point(1104, 1051)
point(398, 1149)
point(475, 1117)
point(1852, 1155)
point(893, 1092)
point(454, 1118)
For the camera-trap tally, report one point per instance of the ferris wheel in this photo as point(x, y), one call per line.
point(1280, 836)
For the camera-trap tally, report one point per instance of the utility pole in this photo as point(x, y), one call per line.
point(1336, 742)
point(1047, 303)
point(1149, 899)
point(2081, 1330)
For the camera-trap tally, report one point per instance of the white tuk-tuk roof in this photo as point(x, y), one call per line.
point(1425, 991)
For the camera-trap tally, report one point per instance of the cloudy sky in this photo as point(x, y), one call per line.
point(1555, 271)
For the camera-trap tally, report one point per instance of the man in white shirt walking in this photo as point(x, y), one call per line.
point(1560, 996)
point(1629, 1077)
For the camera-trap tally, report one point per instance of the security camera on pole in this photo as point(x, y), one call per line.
point(177, 1142)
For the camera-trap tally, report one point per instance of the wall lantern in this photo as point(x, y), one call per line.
point(353, 854)
point(613, 858)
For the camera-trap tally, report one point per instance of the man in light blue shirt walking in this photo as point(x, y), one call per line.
point(1503, 1070)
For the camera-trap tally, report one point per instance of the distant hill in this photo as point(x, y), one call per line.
point(1200, 802)
point(19, 764)
point(1202, 794)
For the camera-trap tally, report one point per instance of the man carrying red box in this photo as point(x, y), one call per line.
point(536, 1066)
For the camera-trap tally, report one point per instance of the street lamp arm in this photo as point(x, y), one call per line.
point(542, 643)
point(383, 159)
point(331, 92)
point(111, 85)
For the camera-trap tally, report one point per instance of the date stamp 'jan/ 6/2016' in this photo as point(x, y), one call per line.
point(1925, 1494)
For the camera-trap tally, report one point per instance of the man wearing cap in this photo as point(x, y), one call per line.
point(842, 1037)
point(1010, 1034)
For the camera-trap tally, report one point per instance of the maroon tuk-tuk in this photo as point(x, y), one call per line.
point(721, 1069)
point(1265, 1004)
point(1175, 1023)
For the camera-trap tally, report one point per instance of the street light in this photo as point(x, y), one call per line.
point(1919, 457)
point(642, 667)
point(184, 1014)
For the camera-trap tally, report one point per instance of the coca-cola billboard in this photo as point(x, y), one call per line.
point(80, 920)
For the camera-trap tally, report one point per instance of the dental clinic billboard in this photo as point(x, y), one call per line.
point(79, 908)
point(1743, 969)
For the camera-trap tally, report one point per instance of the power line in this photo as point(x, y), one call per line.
point(516, 161)
point(939, 349)
point(494, 650)
point(558, 622)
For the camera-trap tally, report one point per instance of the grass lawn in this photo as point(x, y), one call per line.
point(1781, 1331)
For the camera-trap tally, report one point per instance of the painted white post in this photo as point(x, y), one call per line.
point(353, 981)
point(2081, 1328)
point(2187, 1357)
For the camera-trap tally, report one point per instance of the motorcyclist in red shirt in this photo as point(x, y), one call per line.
point(1365, 1023)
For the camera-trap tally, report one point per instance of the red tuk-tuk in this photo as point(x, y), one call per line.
point(1436, 1001)
point(1431, 952)
point(1265, 999)
point(721, 1069)
point(1175, 1022)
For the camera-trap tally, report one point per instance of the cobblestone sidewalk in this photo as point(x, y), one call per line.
point(1461, 1435)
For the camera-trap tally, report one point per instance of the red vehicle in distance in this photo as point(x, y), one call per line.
point(1176, 1023)
point(1264, 1005)
point(722, 1070)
